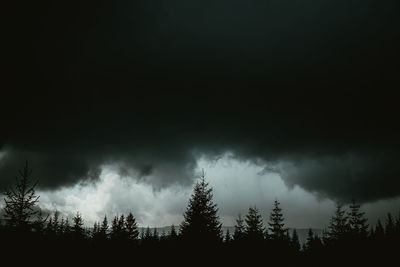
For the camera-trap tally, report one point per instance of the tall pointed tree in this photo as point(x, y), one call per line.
point(77, 229)
point(313, 243)
point(357, 222)
point(338, 226)
point(254, 225)
point(201, 222)
point(390, 224)
point(21, 200)
point(379, 232)
point(276, 223)
point(131, 227)
point(240, 229)
point(295, 242)
point(103, 232)
point(172, 233)
point(228, 237)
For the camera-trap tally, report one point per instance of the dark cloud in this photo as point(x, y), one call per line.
point(148, 86)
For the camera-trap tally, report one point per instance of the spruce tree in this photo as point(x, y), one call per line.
point(276, 223)
point(313, 243)
point(228, 237)
point(103, 232)
point(294, 242)
point(172, 233)
point(21, 200)
point(357, 222)
point(254, 226)
point(77, 229)
point(147, 234)
point(379, 232)
point(131, 227)
point(338, 226)
point(155, 236)
point(240, 229)
point(308, 246)
point(49, 227)
point(95, 231)
point(56, 222)
point(390, 226)
point(201, 222)
point(67, 228)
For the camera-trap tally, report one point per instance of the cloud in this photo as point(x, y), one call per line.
point(237, 185)
point(150, 87)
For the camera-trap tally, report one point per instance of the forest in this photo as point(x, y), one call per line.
point(198, 240)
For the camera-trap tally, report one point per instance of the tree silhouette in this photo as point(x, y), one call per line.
point(309, 241)
point(201, 222)
point(276, 224)
point(390, 225)
point(313, 243)
point(338, 226)
point(294, 242)
point(172, 234)
point(131, 227)
point(103, 231)
point(118, 230)
point(67, 228)
point(155, 236)
point(228, 237)
point(254, 225)
point(77, 229)
point(21, 201)
point(240, 229)
point(357, 222)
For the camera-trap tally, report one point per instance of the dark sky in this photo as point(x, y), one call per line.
point(307, 87)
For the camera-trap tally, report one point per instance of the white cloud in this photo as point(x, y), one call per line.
point(237, 186)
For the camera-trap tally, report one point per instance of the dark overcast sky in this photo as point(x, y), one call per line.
point(307, 87)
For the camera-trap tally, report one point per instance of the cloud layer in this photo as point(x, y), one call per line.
point(151, 86)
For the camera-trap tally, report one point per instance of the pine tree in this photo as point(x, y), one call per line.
point(254, 225)
point(294, 242)
point(228, 237)
point(313, 243)
point(201, 222)
point(115, 233)
point(56, 222)
point(240, 229)
point(155, 236)
point(390, 226)
point(172, 234)
point(103, 232)
point(379, 232)
point(163, 236)
point(147, 234)
point(142, 235)
point(357, 222)
point(62, 227)
point(95, 231)
point(67, 227)
point(131, 227)
point(308, 246)
point(49, 227)
point(21, 201)
point(77, 228)
point(338, 227)
point(276, 224)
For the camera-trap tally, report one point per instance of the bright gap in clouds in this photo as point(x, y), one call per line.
point(237, 186)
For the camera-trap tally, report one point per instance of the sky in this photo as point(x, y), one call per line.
point(117, 105)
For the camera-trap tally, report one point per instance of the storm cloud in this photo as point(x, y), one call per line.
point(148, 87)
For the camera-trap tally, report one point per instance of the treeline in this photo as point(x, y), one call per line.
point(199, 236)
